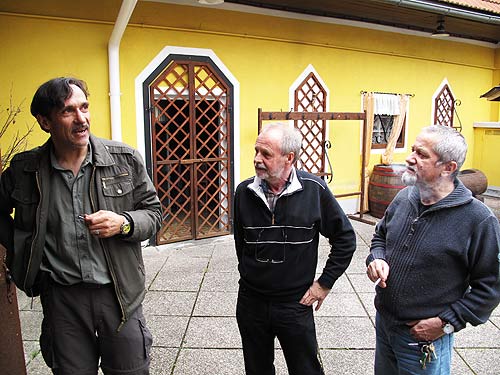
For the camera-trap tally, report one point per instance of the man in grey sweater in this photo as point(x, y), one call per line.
point(435, 255)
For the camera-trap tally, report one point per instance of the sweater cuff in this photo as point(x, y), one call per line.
point(450, 317)
point(375, 254)
point(326, 282)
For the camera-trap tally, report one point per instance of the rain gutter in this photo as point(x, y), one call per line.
point(122, 20)
point(446, 10)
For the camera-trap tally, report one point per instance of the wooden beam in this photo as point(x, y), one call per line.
point(266, 116)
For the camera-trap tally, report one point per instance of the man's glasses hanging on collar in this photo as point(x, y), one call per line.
point(270, 251)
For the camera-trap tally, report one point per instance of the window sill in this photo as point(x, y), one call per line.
point(380, 151)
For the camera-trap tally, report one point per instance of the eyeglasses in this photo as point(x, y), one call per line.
point(270, 251)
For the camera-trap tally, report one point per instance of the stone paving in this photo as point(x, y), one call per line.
point(190, 308)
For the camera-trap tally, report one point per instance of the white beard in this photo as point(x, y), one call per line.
point(409, 179)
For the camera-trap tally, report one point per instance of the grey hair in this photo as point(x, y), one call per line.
point(450, 145)
point(291, 138)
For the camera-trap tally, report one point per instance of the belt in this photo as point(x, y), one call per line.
point(94, 286)
point(52, 282)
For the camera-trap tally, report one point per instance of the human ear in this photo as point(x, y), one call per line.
point(44, 123)
point(450, 167)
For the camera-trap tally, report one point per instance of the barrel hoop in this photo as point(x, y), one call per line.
point(386, 203)
point(390, 186)
point(386, 174)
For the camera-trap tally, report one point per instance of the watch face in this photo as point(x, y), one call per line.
point(448, 328)
point(125, 229)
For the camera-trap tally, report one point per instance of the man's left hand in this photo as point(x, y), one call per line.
point(426, 329)
point(315, 293)
point(104, 224)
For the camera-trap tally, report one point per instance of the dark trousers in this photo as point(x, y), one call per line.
point(260, 321)
point(79, 327)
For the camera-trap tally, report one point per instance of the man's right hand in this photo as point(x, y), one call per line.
point(378, 269)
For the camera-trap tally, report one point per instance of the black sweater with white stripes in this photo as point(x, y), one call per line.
point(278, 251)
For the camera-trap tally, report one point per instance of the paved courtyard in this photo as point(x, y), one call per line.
point(190, 308)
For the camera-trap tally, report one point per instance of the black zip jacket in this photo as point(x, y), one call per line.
point(278, 252)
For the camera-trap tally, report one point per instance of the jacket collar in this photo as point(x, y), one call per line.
point(100, 155)
point(459, 196)
point(294, 186)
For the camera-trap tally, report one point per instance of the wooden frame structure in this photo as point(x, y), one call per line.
point(329, 116)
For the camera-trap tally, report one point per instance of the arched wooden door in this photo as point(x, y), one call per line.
point(191, 143)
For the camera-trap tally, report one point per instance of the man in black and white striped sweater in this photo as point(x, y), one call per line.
point(278, 217)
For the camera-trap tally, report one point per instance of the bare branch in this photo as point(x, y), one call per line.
point(19, 141)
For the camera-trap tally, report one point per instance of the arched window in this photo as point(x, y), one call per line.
point(311, 96)
point(444, 107)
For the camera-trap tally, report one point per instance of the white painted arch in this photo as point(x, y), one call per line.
point(140, 105)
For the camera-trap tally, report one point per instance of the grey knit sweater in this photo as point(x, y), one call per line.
point(443, 263)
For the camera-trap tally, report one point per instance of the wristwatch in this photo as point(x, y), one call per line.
point(448, 328)
point(125, 227)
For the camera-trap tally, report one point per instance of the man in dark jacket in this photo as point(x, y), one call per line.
point(435, 254)
point(278, 217)
point(82, 207)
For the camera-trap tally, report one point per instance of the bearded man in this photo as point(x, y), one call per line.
point(435, 254)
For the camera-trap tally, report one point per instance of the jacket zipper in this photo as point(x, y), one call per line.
point(265, 204)
point(104, 179)
point(113, 276)
point(37, 178)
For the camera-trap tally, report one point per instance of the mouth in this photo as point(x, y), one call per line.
point(260, 167)
point(81, 131)
point(410, 169)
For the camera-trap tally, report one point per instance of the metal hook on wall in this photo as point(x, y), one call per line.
point(328, 145)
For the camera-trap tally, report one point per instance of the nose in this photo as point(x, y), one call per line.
point(80, 116)
point(257, 158)
point(410, 159)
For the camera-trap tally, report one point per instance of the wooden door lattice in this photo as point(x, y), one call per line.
point(310, 96)
point(191, 151)
point(444, 107)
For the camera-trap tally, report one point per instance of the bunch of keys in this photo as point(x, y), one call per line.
point(428, 353)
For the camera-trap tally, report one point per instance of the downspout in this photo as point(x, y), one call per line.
point(114, 67)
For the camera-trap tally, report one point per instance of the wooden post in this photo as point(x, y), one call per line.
point(11, 342)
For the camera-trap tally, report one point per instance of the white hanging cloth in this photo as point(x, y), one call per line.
point(386, 104)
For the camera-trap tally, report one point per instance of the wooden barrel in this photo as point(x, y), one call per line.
point(385, 183)
point(474, 180)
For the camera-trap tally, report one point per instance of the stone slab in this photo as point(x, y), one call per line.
point(169, 303)
point(212, 332)
point(216, 304)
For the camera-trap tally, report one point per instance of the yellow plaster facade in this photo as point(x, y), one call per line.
point(266, 54)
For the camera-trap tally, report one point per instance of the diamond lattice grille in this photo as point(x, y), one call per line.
point(310, 96)
point(444, 107)
point(191, 148)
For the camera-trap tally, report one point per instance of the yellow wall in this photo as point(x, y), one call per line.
point(265, 54)
point(36, 50)
point(487, 141)
point(495, 106)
